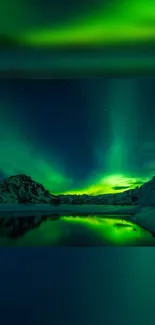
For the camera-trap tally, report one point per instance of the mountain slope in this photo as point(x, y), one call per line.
point(22, 189)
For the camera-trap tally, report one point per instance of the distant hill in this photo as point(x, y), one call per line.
point(144, 195)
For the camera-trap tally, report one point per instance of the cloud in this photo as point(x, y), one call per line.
point(138, 183)
point(119, 188)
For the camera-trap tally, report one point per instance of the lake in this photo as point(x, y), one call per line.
point(73, 231)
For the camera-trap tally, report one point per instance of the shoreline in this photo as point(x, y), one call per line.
point(65, 209)
point(142, 216)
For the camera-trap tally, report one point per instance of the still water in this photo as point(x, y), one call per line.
point(81, 231)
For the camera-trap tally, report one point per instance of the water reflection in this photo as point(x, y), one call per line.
point(72, 231)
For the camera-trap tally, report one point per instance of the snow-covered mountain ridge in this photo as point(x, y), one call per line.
point(144, 195)
point(22, 189)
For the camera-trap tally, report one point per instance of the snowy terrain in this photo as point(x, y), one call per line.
point(65, 209)
point(138, 205)
point(146, 218)
point(15, 219)
point(144, 196)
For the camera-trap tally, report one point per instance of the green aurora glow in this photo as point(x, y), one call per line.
point(109, 23)
point(56, 40)
point(117, 178)
point(120, 22)
point(49, 172)
point(20, 154)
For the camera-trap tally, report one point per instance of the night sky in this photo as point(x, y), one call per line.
point(78, 136)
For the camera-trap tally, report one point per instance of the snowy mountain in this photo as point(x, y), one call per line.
point(144, 195)
point(125, 198)
point(22, 189)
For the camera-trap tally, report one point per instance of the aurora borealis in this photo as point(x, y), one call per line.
point(78, 136)
point(92, 22)
point(83, 38)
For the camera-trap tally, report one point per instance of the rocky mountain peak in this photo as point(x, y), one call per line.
point(23, 189)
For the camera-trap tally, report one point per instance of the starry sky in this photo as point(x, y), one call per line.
point(78, 136)
point(91, 36)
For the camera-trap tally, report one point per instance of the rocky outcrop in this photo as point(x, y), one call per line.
point(22, 189)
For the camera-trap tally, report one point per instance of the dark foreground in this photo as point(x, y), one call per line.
point(72, 231)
